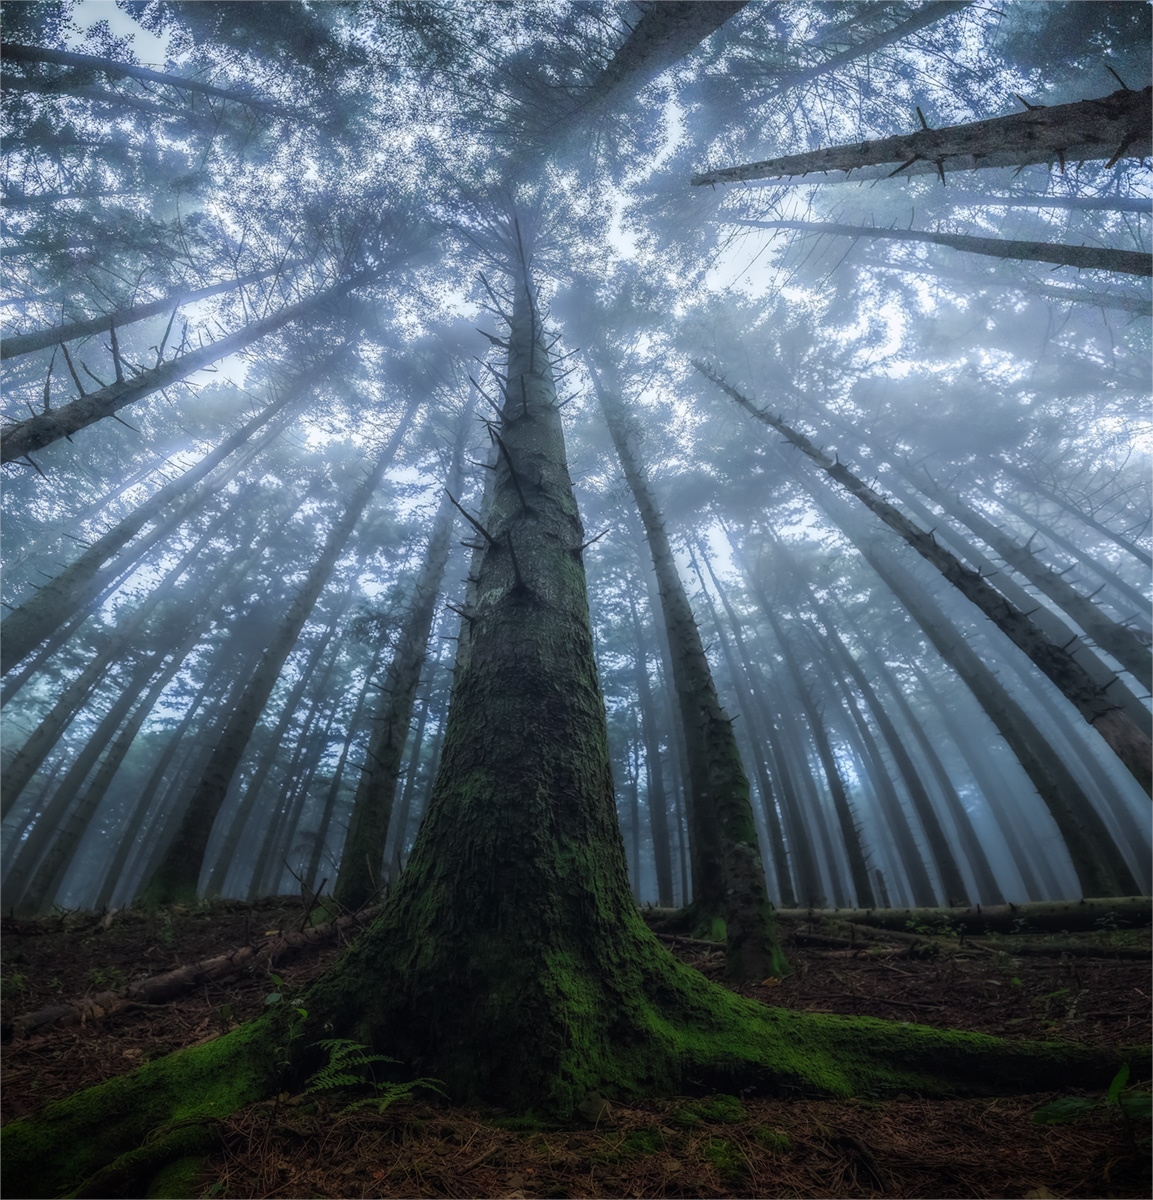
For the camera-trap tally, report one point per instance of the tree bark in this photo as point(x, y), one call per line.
point(21, 439)
point(1124, 737)
point(1113, 127)
point(1099, 258)
point(728, 877)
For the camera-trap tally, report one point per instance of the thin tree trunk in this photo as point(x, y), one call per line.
point(1107, 633)
point(1094, 855)
point(728, 879)
point(24, 343)
point(32, 753)
point(1128, 741)
point(1098, 258)
point(657, 792)
point(1123, 590)
point(240, 815)
point(44, 428)
point(14, 52)
point(175, 879)
point(768, 798)
point(54, 866)
point(78, 583)
point(1113, 127)
point(363, 858)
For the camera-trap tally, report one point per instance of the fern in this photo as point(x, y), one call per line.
point(346, 1059)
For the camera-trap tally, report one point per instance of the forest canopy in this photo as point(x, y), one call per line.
point(521, 463)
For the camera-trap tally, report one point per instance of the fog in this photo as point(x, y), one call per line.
point(218, 512)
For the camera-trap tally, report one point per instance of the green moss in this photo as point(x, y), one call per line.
point(771, 1139)
point(726, 1158)
point(644, 1141)
point(76, 1138)
point(178, 1180)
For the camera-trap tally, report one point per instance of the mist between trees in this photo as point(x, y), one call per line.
point(341, 349)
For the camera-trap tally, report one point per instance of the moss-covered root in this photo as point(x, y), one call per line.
point(109, 1140)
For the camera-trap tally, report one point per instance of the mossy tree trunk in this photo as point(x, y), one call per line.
point(728, 876)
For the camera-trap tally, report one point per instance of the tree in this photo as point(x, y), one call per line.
point(1127, 740)
point(728, 878)
point(1111, 127)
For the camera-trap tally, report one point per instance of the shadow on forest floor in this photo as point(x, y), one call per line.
point(676, 1146)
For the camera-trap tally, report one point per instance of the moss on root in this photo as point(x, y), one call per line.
point(110, 1139)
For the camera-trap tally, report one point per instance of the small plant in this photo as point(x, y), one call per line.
point(1131, 1105)
point(12, 985)
point(346, 1060)
point(110, 979)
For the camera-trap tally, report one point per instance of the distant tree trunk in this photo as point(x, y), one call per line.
point(244, 809)
point(44, 428)
point(49, 824)
point(14, 52)
point(175, 879)
point(1095, 859)
point(1098, 258)
point(25, 343)
point(846, 818)
point(657, 792)
point(1127, 740)
point(81, 580)
point(1113, 127)
point(132, 826)
point(352, 728)
point(1122, 588)
point(993, 788)
point(363, 857)
point(1067, 505)
point(908, 857)
point(1122, 301)
point(32, 753)
point(53, 867)
point(1127, 204)
point(758, 711)
point(1122, 643)
point(1050, 622)
point(728, 878)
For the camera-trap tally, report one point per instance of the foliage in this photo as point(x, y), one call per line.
point(348, 1062)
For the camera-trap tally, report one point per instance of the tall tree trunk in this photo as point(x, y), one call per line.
point(772, 820)
point(40, 339)
point(1099, 258)
point(1099, 868)
point(657, 791)
point(175, 879)
point(363, 857)
point(1122, 643)
point(1113, 127)
point(44, 428)
point(244, 809)
point(728, 878)
point(53, 868)
point(32, 753)
point(1127, 740)
point(14, 52)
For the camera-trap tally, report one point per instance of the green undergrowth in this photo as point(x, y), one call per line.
point(116, 1135)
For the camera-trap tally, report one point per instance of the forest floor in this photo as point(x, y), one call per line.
point(678, 1146)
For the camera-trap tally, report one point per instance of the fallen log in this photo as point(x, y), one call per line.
point(160, 988)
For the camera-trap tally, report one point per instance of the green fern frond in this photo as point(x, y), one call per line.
point(344, 1055)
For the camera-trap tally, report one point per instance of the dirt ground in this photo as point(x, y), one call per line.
point(1093, 989)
